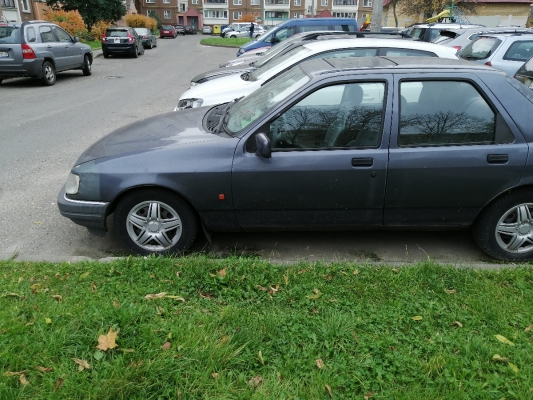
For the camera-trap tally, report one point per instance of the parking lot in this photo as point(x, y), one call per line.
point(45, 129)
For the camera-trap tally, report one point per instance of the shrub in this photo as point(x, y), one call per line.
point(98, 29)
point(71, 21)
point(140, 21)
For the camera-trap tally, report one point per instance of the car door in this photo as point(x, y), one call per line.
point(73, 53)
point(50, 46)
point(328, 164)
point(453, 149)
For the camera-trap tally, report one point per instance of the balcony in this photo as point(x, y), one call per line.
point(345, 2)
point(215, 1)
point(277, 2)
point(7, 4)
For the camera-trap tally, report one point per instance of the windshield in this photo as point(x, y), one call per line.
point(7, 34)
point(247, 110)
point(289, 58)
point(274, 51)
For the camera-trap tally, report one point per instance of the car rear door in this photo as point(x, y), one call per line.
point(10, 49)
point(453, 148)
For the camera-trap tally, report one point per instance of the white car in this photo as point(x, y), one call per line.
point(230, 87)
point(245, 32)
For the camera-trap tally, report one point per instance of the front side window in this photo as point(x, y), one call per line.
point(434, 113)
point(340, 116)
point(519, 51)
point(46, 34)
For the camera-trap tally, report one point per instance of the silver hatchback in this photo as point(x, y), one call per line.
point(40, 49)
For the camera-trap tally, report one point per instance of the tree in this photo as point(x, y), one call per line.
point(428, 8)
point(247, 18)
point(92, 11)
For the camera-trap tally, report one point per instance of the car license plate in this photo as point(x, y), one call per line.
point(165, 31)
point(117, 40)
point(4, 54)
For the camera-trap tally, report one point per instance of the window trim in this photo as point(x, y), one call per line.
point(165, 13)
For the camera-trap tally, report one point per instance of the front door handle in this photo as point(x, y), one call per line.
point(362, 162)
point(498, 158)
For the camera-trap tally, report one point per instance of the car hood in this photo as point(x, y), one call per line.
point(170, 129)
point(219, 72)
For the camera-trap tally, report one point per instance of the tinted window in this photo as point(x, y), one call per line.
point(406, 53)
point(62, 35)
point(310, 28)
point(7, 34)
point(46, 34)
point(417, 33)
point(340, 116)
point(366, 52)
point(479, 49)
point(444, 113)
point(519, 51)
point(30, 34)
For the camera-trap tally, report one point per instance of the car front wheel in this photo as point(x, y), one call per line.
point(505, 229)
point(155, 221)
point(86, 66)
point(49, 73)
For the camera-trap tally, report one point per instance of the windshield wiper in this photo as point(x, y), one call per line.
point(222, 121)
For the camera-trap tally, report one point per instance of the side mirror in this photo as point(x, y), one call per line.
point(274, 40)
point(76, 39)
point(262, 145)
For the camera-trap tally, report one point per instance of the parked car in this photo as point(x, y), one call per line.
point(503, 51)
point(245, 32)
point(331, 144)
point(207, 30)
point(229, 87)
point(122, 40)
point(525, 73)
point(39, 50)
point(290, 27)
point(234, 27)
point(459, 38)
point(149, 40)
point(429, 32)
point(180, 29)
point(190, 30)
point(167, 31)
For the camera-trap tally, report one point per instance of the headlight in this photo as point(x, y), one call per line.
point(189, 103)
point(73, 184)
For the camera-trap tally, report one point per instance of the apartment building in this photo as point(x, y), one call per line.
point(21, 10)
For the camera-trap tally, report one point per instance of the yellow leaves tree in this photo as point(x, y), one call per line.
point(71, 21)
point(140, 21)
point(247, 18)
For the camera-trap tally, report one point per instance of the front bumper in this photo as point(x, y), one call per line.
point(91, 214)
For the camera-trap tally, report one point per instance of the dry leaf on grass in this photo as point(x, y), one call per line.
point(106, 342)
point(58, 384)
point(8, 373)
point(417, 318)
point(503, 339)
point(368, 395)
point(44, 369)
point(456, 323)
point(82, 364)
point(155, 296)
point(57, 297)
point(328, 388)
point(23, 380)
point(256, 381)
point(513, 367)
point(497, 357)
point(315, 296)
point(215, 375)
point(222, 272)
point(528, 328)
point(320, 364)
point(450, 291)
point(166, 346)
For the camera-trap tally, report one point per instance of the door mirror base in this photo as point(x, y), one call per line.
point(262, 145)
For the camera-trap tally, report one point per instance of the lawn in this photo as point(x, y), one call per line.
point(242, 328)
point(225, 42)
point(95, 44)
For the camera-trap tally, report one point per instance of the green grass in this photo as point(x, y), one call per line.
point(242, 318)
point(95, 44)
point(225, 42)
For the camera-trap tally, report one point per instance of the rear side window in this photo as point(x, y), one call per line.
point(310, 28)
point(480, 49)
point(30, 35)
point(46, 34)
point(417, 33)
point(443, 113)
point(519, 51)
point(8, 34)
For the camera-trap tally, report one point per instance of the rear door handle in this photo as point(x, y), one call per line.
point(362, 162)
point(498, 158)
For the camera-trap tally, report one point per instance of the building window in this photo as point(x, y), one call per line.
point(194, 1)
point(324, 3)
point(25, 6)
point(345, 15)
point(166, 1)
point(297, 3)
point(150, 1)
point(237, 15)
point(254, 2)
point(215, 14)
point(367, 3)
point(166, 14)
point(345, 2)
point(276, 15)
point(237, 2)
point(182, 7)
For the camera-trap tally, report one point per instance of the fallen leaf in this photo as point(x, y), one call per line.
point(256, 381)
point(273, 289)
point(368, 395)
point(263, 289)
point(417, 318)
point(176, 298)
point(395, 270)
point(224, 339)
point(450, 291)
point(315, 310)
point(356, 272)
point(85, 275)
point(44, 369)
point(58, 384)
point(82, 364)
point(48, 320)
point(513, 367)
point(456, 323)
point(93, 287)
point(160, 311)
point(57, 297)
point(503, 339)
point(528, 328)
point(155, 296)
point(215, 375)
point(315, 296)
point(24, 381)
point(98, 355)
point(116, 304)
point(37, 222)
point(8, 373)
point(166, 346)
point(328, 388)
point(106, 342)
point(320, 364)
point(286, 279)
point(497, 357)
point(260, 355)
point(205, 295)
point(178, 273)
point(222, 272)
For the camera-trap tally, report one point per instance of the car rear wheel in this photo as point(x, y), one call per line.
point(106, 55)
point(86, 66)
point(49, 73)
point(151, 46)
point(505, 229)
point(155, 221)
point(142, 51)
point(135, 52)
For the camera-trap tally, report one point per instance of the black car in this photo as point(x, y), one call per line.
point(189, 30)
point(40, 49)
point(525, 73)
point(331, 144)
point(149, 40)
point(123, 41)
point(180, 29)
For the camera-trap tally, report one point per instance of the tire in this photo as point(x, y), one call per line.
point(139, 218)
point(136, 52)
point(49, 74)
point(106, 55)
point(151, 45)
point(155, 45)
point(86, 66)
point(1, 79)
point(504, 230)
point(142, 51)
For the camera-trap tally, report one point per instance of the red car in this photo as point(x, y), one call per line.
point(168, 31)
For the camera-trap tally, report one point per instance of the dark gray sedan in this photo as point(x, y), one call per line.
point(333, 144)
point(148, 38)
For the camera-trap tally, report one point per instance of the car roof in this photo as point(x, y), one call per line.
point(365, 42)
point(391, 65)
point(446, 25)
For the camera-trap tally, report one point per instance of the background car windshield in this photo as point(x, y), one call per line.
point(247, 110)
point(7, 34)
point(298, 53)
point(274, 51)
